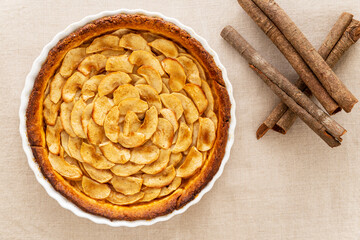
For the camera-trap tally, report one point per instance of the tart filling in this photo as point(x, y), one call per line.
point(130, 120)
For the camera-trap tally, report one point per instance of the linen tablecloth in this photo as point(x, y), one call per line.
point(281, 187)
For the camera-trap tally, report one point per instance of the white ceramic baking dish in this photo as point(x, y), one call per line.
point(34, 166)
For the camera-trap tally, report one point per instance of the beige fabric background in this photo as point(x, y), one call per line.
point(282, 187)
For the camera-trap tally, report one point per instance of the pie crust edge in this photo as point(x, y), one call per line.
point(35, 125)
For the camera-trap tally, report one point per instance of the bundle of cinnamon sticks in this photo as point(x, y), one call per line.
point(313, 67)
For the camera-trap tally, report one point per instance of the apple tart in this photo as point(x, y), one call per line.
point(129, 117)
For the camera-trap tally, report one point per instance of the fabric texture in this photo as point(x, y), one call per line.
point(280, 187)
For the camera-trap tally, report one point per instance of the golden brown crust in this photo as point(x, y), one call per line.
point(35, 128)
point(34, 119)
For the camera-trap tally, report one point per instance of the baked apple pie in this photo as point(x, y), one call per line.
point(129, 117)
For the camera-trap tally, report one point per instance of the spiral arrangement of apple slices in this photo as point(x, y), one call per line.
point(128, 117)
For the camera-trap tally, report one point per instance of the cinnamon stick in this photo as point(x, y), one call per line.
point(326, 76)
point(317, 127)
point(296, 61)
point(328, 129)
point(334, 35)
point(279, 120)
point(350, 36)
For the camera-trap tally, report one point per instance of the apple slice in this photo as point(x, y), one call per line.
point(175, 184)
point(131, 123)
point(149, 36)
point(195, 130)
point(78, 185)
point(180, 49)
point(150, 123)
point(160, 164)
point(164, 46)
point(190, 111)
point(133, 42)
point(192, 163)
point(101, 176)
point(207, 134)
point(171, 117)
point(134, 139)
point(210, 114)
point(65, 169)
point(103, 43)
point(165, 88)
point(71, 61)
point(112, 81)
point(75, 118)
point(121, 32)
point(70, 160)
point(132, 104)
point(135, 77)
point(207, 91)
point(81, 166)
point(191, 70)
point(173, 103)
point(65, 116)
point(53, 137)
point(112, 53)
point(141, 57)
point(121, 199)
point(111, 124)
point(200, 68)
point(151, 76)
point(93, 157)
point(184, 139)
point(175, 159)
point(197, 95)
point(164, 134)
point(160, 57)
point(72, 85)
point(50, 111)
point(95, 133)
point(161, 179)
point(125, 91)
point(141, 81)
point(90, 87)
point(92, 64)
point(74, 146)
point(127, 185)
point(86, 116)
point(102, 106)
point(119, 63)
point(176, 72)
point(94, 189)
point(150, 95)
point(115, 153)
point(56, 86)
point(150, 194)
point(166, 83)
point(126, 169)
point(64, 139)
point(144, 154)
